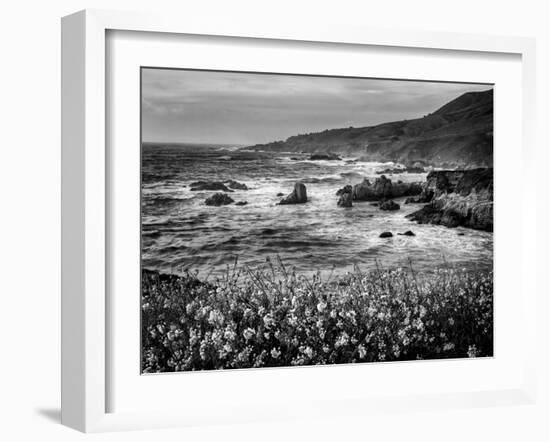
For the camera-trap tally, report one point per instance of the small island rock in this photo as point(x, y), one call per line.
point(408, 233)
point(297, 196)
point(325, 156)
point(389, 205)
point(209, 185)
point(218, 199)
point(232, 184)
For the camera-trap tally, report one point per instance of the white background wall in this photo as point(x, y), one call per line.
point(30, 220)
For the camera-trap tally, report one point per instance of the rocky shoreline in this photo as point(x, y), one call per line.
point(452, 198)
point(457, 198)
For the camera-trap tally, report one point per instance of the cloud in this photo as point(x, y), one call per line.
point(248, 108)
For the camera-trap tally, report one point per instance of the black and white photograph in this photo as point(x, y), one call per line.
point(275, 221)
point(295, 220)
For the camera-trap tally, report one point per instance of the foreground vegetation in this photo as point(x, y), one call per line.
point(272, 317)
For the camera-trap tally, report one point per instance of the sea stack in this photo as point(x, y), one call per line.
point(346, 196)
point(297, 196)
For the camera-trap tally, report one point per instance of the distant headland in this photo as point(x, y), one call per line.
point(456, 136)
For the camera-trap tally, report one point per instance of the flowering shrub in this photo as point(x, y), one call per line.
point(271, 317)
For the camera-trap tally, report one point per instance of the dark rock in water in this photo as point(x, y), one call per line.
point(269, 231)
point(295, 158)
point(241, 203)
point(232, 184)
point(218, 199)
point(375, 204)
point(460, 233)
point(297, 196)
point(383, 188)
point(386, 235)
point(401, 189)
point(460, 198)
point(280, 194)
point(325, 156)
point(346, 196)
point(389, 205)
point(435, 213)
point(344, 189)
point(407, 233)
point(209, 185)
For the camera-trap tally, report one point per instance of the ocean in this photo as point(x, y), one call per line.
point(180, 232)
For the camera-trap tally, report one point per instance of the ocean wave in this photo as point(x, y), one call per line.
point(229, 244)
point(170, 249)
point(167, 224)
point(299, 243)
point(166, 199)
point(352, 175)
point(322, 179)
point(228, 148)
point(151, 233)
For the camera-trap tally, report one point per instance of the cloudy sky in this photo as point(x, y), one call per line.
point(242, 108)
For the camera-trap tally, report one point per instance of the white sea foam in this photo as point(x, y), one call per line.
point(311, 236)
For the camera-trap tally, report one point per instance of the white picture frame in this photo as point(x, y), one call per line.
point(85, 210)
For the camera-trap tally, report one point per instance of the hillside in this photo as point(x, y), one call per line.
point(457, 135)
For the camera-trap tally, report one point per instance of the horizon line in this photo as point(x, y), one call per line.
point(202, 143)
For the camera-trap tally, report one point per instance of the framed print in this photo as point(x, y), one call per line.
point(273, 221)
point(236, 274)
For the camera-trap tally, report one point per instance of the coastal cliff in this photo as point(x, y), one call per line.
point(457, 135)
point(457, 198)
